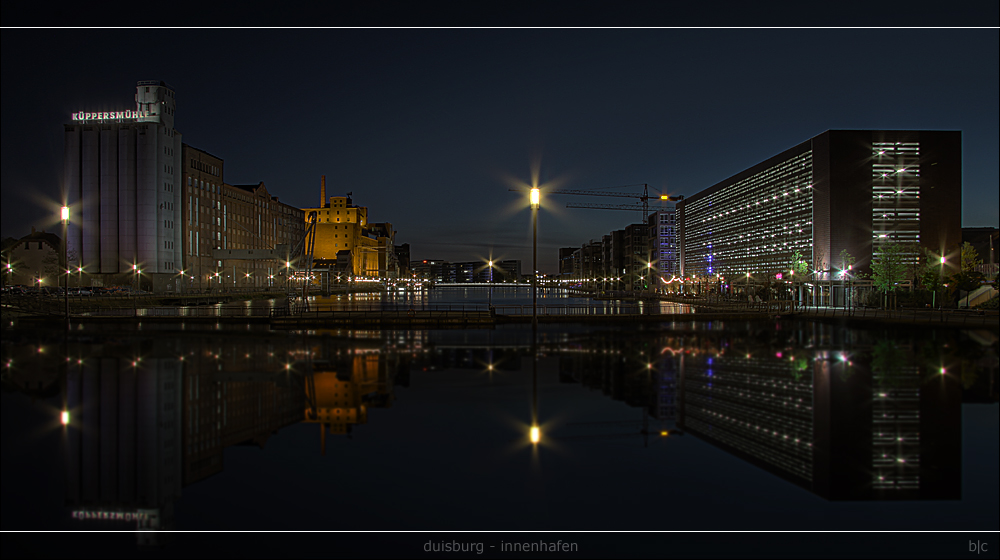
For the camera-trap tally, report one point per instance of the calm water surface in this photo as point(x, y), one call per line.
point(680, 426)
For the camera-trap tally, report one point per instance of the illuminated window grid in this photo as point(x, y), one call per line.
point(762, 407)
point(896, 432)
point(753, 226)
point(896, 196)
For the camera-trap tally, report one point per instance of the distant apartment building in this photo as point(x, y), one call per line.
point(466, 272)
point(403, 258)
point(636, 264)
point(663, 243)
point(634, 258)
point(566, 261)
point(509, 270)
point(842, 191)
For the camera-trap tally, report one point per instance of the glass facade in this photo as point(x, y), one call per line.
point(754, 225)
point(896, 196)
point(761, 406)
point(667, 259)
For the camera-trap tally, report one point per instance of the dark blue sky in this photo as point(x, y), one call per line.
point(429, 128)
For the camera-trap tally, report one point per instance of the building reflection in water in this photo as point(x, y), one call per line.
point(845, 416)
point(874, 423)
point(145, 418)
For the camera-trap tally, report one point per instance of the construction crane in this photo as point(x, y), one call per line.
point(643, 198)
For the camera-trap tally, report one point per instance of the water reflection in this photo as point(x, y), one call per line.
point(845, 414)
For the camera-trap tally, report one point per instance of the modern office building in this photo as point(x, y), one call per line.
point(841, 191)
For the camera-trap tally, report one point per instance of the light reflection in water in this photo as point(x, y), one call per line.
point(853, 415)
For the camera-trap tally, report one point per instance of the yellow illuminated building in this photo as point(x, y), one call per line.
point(346, 241)
point(342, 396)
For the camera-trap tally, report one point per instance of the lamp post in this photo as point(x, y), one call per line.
point(64, 217)
point(491, 285)
point(135, 285)
point(534, 257)
point(940, 277)
point(850, 286)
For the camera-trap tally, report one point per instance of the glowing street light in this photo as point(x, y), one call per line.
point(135, 280)
point(64, 217)
point(535, 195)
point(536, 434)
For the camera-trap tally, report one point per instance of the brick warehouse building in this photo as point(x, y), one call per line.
point(141, 198)
point(842, 190)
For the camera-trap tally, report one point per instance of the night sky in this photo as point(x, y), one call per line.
point(429, 128)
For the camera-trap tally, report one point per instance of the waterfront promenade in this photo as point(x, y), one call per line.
point(278, 311)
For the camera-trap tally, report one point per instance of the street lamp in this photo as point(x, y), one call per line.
point(64, 217)
point(491, 285)
point(535, 194)
point(135, 282)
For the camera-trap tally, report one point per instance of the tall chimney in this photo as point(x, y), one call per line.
point(322, 192)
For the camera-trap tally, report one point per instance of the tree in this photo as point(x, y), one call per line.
point(930, 273)
point(969, 278)
point(846, 261)
point(798, 268)
point(967, 281)
point(970, 257)
point(888, 268)
point(848, 273)
point(799, 264)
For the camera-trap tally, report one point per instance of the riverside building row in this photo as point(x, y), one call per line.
point(145, 205)
point(843, 193)
point(639, 257)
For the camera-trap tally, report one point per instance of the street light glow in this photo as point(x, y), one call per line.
point(535, 193)
point(536, 434)
point(64, 213)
